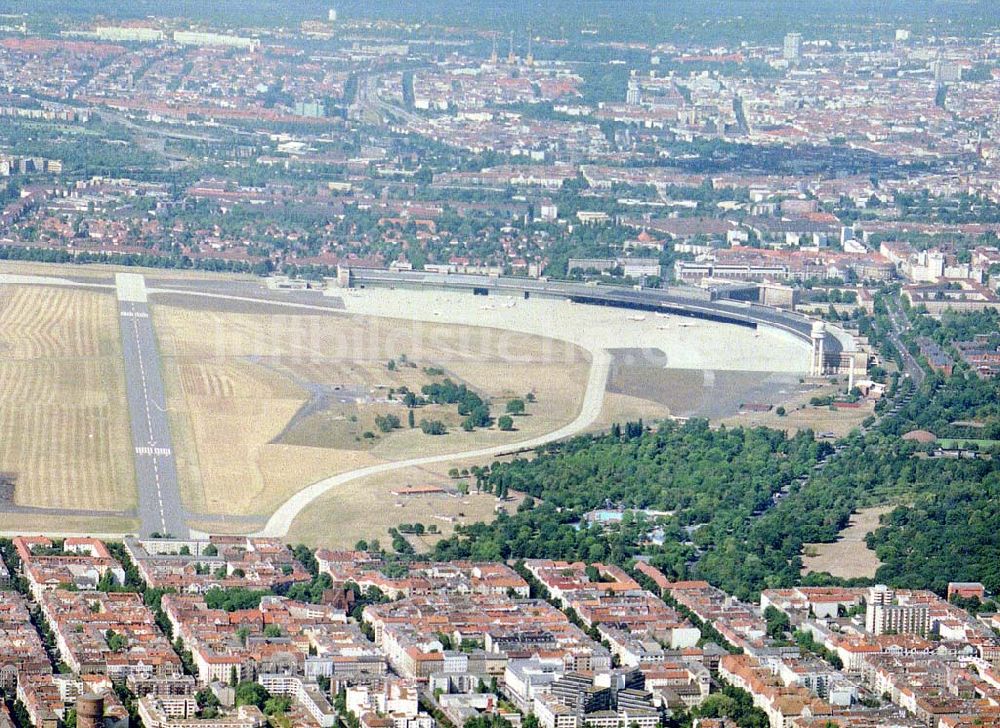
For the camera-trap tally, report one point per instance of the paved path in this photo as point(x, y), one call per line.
point(593, 399)
point(160, 506)
point(14, 279)
point(65, 512)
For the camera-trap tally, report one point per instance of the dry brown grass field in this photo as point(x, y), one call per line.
point(64, 431)
point(849, 556)
point(236, 381)
point(367, 508)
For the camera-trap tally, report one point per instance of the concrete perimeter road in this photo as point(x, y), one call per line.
point(160, 506)
point(281, 520)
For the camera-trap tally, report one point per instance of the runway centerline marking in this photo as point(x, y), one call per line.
point(160, 506)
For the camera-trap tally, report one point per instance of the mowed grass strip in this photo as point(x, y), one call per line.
point(64, 431)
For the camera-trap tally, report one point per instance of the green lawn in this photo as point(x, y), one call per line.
point(961, 443)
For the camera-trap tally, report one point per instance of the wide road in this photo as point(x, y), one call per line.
point(898, 323)
point(281, 520)
point(160, 507)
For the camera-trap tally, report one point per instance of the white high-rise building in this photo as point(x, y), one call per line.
point(946, 71)
point(793, 47)
point(884, 613)
point(633, 95)
point(331, 15)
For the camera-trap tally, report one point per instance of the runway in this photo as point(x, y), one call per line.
point(160, 507)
